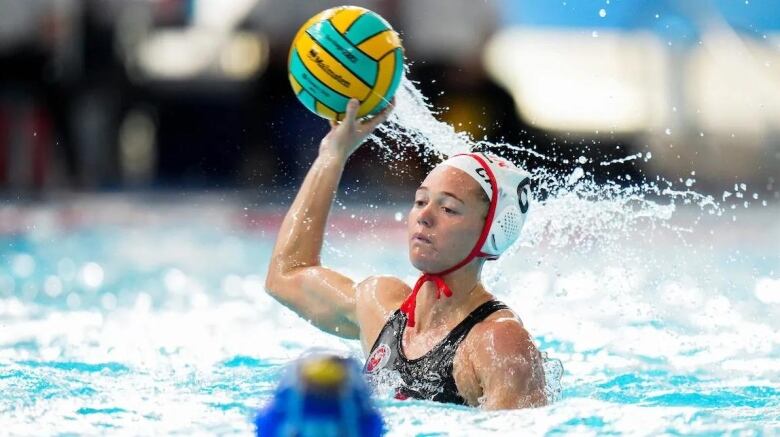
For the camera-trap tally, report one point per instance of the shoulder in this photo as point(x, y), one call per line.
point(382, 290)
point(507, 363)
point(502, 336)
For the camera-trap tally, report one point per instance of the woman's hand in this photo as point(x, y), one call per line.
point(345, 137)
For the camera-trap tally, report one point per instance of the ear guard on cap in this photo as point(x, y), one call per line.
point(511, 203)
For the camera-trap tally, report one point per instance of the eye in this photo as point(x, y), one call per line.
point(419, 203)
point(448, 210)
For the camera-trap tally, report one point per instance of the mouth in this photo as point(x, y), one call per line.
point(421, 238)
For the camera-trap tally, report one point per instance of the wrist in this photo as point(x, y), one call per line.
point(331, 158)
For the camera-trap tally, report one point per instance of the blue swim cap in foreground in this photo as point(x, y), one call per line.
point(322, 395)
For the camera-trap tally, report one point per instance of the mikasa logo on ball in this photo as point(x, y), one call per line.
point(321, 63)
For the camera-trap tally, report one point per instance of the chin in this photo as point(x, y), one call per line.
point(425, 263)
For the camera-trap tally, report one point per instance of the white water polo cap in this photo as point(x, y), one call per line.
point(508, 209)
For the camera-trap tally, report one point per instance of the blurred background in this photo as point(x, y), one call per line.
point(157, 95)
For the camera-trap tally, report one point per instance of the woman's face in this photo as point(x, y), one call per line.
point(446, 219)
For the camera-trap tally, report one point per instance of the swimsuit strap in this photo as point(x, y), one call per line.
point(479, 314)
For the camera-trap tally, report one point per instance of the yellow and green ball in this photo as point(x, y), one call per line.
point(342, 53)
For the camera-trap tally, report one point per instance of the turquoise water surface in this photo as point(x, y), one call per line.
point(139, 316)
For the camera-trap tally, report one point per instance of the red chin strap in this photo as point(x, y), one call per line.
point(409, 305)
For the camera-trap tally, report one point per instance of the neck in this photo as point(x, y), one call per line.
point(466, 289)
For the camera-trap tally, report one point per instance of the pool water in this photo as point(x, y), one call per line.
point(147, 316)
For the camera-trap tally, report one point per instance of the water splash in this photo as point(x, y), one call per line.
point(572, 215)
point(571, 208)
point(414, 124)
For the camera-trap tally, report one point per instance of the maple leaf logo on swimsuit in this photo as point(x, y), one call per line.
point(378, 358)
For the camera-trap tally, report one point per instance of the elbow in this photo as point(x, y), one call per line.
point(279, 281)
point(273, 280)
point(270, 285)
point(273, 284)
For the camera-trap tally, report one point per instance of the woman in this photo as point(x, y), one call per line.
point(448, 338)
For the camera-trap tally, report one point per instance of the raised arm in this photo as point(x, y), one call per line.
point(295, 276)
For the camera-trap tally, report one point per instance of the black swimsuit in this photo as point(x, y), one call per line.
point(430, 376)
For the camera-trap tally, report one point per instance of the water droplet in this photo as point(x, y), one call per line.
point(52, 286)
point(576, 175)
point(92, 275)
point(602, 12)
point(73, 301)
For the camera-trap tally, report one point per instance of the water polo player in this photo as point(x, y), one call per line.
point(448, 337)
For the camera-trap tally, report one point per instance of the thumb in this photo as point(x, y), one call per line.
point(351, 114)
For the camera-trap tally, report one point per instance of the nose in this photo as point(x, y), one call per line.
point(425, 216)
